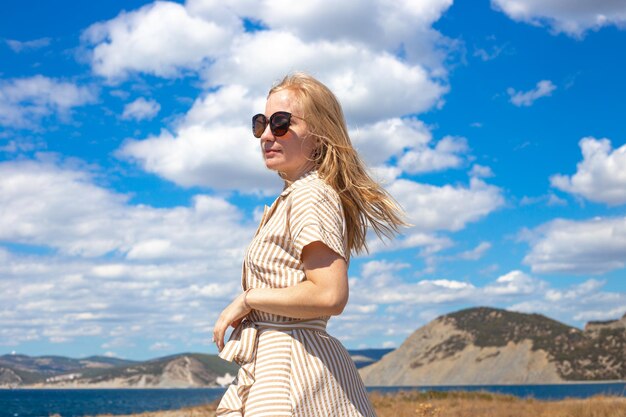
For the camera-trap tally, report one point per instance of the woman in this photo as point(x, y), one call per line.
point(295, 271)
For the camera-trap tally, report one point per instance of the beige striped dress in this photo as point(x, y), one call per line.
point(292, 367)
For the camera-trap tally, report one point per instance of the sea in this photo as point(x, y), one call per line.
point(90, 402)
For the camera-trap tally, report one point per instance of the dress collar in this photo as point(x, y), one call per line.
point(304, 179)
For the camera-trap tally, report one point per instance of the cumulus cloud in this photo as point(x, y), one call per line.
point(515, 283)
point(377, 142)
point(600, 176)
point(409, 141)
point(376, 86)
point(389, 287)
point(385, 24)
point(371, 85)
point(432, 209)
point(520, 98)
point(161, 38)
point(166, 38)
point(141, 109)
point(572, 18)
point(38, 207)
point(447, 207)
point(71, 297)
point(448, 153)
point(592, 246)
point(385, 286)
point(25, 101)
point(577, 304)
point(105, 261)
point(201, 150)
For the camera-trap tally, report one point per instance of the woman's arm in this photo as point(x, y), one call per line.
point(324, 293)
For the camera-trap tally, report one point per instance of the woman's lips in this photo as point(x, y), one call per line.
point(270, 152)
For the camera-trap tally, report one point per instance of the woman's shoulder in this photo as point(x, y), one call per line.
point(315, 191)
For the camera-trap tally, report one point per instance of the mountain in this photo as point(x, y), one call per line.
point(492, 346)
point(59, 364)
point(183, 370)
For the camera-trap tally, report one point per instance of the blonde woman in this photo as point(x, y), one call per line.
point(295, 270)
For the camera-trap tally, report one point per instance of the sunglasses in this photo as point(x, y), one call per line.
point(279, 123)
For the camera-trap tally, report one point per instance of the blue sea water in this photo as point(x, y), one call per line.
point(89, 402)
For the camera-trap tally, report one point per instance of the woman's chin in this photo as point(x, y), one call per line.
point(271, 164)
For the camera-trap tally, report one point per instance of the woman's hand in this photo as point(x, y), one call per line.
point(230, 316)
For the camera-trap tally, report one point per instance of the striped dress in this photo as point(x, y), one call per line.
point(292, 367)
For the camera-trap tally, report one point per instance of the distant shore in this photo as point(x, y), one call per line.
point(408, 387)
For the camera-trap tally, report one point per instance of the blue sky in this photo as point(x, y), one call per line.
point(130, 184)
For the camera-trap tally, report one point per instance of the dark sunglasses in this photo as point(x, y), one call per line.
point(279, 123)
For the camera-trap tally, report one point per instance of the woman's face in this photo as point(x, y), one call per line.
point(290, 153)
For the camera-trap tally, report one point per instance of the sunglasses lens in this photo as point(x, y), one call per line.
point(279, 123)
point(259, 122)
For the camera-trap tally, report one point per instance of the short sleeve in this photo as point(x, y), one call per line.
point(317, 216)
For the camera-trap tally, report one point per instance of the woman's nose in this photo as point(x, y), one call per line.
point(267, 134)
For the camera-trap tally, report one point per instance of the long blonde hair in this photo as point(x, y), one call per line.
point(364, 201)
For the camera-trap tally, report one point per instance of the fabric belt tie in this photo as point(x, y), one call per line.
point(241, 348)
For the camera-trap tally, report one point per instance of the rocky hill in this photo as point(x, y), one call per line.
point(184, 370)
point(491, 346)
point(177, 371)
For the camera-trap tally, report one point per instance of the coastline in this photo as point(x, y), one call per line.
point(369, 387)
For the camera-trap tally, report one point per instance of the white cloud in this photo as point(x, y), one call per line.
point(573, 18)
point(386, 285)
point(446, 154)
point(431, 208)
point(212, 146)
point(38, 207)
point(141, 109)
point(375, 86)
point(370, 85)
point(601, 313)
point(448, 207)
point(515, 283)
point(481, 171)
point(574, 292)
point(520, 98)
point(592, 246)
point(550, 199)
point(385, 23)
point(107, 262)
point(377, 142)
point(493, 53)
point(410, 141)
point(161, 38)
point(160, 346)
point(476, 253)
point(600, 176)
point(25, 101)
point(579, 303)
point(20, 46)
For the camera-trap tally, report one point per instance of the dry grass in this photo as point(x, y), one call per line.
point(481, 404)
point(456, 404)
